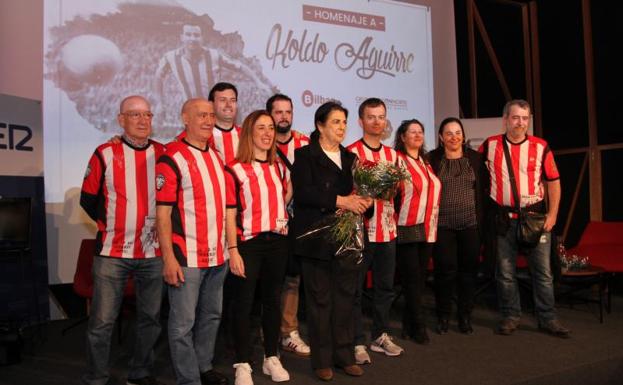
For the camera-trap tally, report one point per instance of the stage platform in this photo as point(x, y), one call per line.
point(594, 355)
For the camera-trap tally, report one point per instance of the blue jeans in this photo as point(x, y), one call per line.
point(381, 256)
point(194, 318)
point(109, 280)
point(540, 273)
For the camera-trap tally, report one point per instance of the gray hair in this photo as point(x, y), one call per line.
point(515, 102)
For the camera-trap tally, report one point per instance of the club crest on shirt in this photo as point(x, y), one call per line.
point(88, 171)
point(160, 181)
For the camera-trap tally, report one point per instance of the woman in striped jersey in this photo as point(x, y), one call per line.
point(257, 194)
point(417, 208)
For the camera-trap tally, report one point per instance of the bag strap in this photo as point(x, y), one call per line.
point(511, 174)
point(285, 159)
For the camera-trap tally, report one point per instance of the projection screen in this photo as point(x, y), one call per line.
point(95, 53)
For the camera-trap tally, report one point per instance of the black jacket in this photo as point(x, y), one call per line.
point(317, 182)
point(477, 163)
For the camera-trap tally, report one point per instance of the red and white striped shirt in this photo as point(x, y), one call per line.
point(226, 142)
point(257, 190)
point(287, 148)
point(382, 226)
point(119, 193)
point(195, 77)
point(419, 196)
point(193, 182)
point(532, 160)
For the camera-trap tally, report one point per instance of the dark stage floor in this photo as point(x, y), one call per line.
point(594, 355)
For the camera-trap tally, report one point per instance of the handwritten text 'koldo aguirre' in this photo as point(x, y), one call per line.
point(367, 59)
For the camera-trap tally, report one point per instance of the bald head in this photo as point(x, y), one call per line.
point(191, 103)
point(130, 103)
point(198, 118)
point(135, 118)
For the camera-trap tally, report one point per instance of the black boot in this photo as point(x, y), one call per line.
point(442, 326)
point(465, 325)
point(420, 336)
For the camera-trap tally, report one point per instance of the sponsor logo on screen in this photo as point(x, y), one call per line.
point(308, 98)
point(390, 103)
point(15, 137)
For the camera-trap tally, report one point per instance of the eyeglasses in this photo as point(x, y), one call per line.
point(204, 115)
point(136, 115)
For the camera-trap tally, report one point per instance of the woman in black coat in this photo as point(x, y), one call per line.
point(322, 181)
point(459, 229)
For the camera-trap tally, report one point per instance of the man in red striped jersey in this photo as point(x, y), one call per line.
point(226, 135)
point(190, 208)
point(224, 98)
point(118, 192)
point(279, 106)
point(380, 249)
point(535, 174)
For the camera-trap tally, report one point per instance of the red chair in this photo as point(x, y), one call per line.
point(83, 281)
point(602, 243)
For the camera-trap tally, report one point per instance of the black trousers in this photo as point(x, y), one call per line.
point(330, 295)
point(455, 256)
point(412, 261)
point(265, 258)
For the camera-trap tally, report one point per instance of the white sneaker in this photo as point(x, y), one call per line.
point(243, 374)
point(272, 367)
point(384, 344)
point(295, 344)
point(361, 355)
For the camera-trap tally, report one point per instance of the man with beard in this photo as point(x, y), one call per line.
point(533, 175)
point(279, 106)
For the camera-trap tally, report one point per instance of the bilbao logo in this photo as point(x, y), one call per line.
point(308, 98)
point(15, 137)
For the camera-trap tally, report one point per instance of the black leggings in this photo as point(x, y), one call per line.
point(412, 263)
point(265, 259)
point(456, 255)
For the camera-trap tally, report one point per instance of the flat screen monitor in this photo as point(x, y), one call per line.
point(14, 223)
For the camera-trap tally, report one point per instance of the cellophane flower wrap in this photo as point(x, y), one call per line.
point(377, 180)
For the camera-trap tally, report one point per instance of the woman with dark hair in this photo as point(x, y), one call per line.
point(256, 228)
point(323, 182)
point(417, 206)
point(461, 211)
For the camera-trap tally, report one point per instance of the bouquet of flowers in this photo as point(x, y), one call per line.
point(571, 262)
point(377, 180)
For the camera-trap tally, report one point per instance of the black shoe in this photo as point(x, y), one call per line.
point(212, 377)
point(442, 326)
point(555, 328)
point(465, 325)
point(149, 380)
point(420, 336)
point(405, 335)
